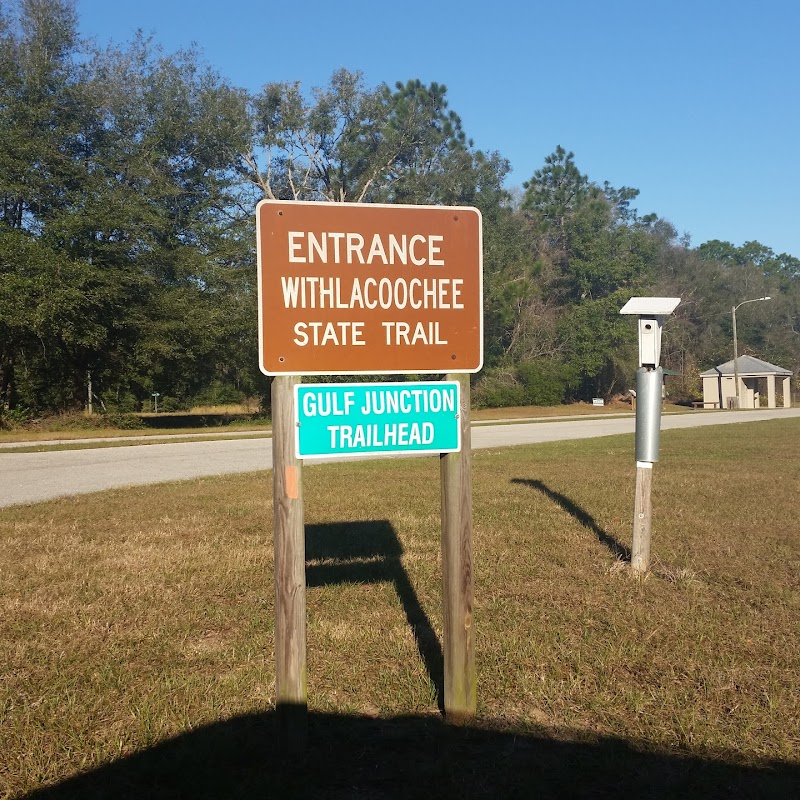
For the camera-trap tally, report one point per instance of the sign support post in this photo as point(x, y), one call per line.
point(648, 429)
point(460, 692)
point(290, 569)
point(642, 518)
point(649, 388)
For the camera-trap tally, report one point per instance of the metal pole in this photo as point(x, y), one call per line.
point(736, 344)
point(648, 434)
point(735, 360)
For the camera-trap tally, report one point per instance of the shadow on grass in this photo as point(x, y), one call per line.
point(409, 757)
point(370, 552)
point(619, 550)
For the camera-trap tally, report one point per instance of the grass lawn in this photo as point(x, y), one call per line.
point(136, 631)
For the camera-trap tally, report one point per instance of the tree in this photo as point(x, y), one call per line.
point(353, 144)
point(556, 191)
point(119, 183)
point(520, 311)
point(178, 218)
point(769, 330)
point(751, 253)
point(38, 109)
point(592, 253)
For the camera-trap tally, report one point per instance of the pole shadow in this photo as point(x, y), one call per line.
point(616, 547)
point(371, 552)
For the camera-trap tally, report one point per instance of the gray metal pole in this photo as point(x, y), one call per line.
point(736, 360)
point(648, 436)
point(736, 345)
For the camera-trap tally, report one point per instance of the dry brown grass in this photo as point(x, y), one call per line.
point(250, 406)
point(132, 616)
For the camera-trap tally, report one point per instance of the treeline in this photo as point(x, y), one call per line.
point(128, 182)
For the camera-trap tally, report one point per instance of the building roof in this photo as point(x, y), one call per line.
point(747, 366)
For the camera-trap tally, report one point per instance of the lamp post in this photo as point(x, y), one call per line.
point(736, 347)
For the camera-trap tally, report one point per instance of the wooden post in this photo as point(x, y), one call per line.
point(642, 516)
point(460, 694)
point(290, 575)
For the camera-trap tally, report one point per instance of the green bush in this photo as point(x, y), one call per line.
point(169, 404)
point(218, 394)
point(498, 388)
point(14, 418)
point(81, 422)
point(125, 422)
point(499, 396)
point(544, 383)
point(125, 403)
point(538, 383)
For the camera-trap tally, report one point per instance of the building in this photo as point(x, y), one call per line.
point(755, 375)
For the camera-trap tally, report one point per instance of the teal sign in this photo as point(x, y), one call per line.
point(344, 419)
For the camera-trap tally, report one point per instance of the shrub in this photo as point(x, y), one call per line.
point(498, 388)
point(218, 394)
point(78, 421)
point(125, 422)
point(11, 418)
point(544, 383)
point(538, 383)
point(126, 402)
point(169, 404)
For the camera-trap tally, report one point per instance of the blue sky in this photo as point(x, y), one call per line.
point(696, 104)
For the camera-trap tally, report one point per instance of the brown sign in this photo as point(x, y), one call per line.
point(351, 289)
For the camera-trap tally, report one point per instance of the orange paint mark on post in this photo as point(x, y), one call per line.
point(292, 484)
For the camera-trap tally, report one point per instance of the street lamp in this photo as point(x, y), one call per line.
point(736, 347)
point(156, 395)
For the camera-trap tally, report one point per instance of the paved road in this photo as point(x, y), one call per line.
point(32, 477)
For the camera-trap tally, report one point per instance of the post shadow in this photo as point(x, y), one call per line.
point(371, 552)
point(618, 549)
